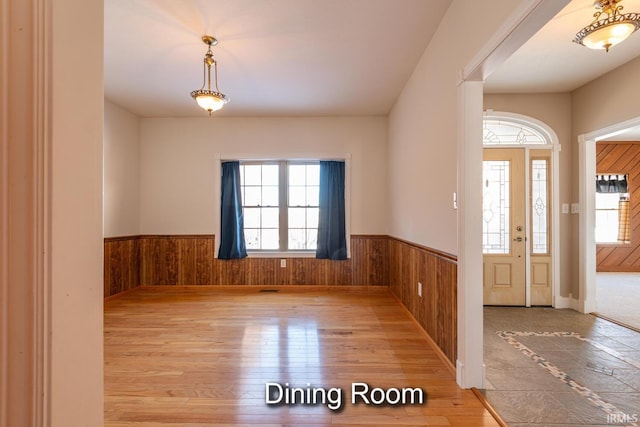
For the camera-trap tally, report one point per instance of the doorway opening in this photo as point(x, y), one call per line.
point(520, 211)
point(602, 262)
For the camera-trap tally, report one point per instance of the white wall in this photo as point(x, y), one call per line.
point(554, 109)
point(423, 127)
point(121, 172)
point(177, 177)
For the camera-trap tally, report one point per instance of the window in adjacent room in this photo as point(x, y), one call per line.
point(280, 204)
point(612, 209)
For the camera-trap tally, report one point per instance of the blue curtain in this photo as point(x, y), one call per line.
point(232, 243)
point(332, 241)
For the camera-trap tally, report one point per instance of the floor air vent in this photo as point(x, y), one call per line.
point(268, 290)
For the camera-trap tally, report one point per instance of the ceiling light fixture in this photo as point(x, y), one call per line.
point(210, 100)
point(608, 32)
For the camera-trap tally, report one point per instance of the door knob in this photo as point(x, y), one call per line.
point(518, 239)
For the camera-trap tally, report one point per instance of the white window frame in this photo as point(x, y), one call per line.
point(219, 158)
point(283, 201)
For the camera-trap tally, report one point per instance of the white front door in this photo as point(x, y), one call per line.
point(504, 235)
point(516, 227)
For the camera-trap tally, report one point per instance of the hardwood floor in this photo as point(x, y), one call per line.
point(202, 356)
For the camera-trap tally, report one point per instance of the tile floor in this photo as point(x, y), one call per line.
point(547, 367)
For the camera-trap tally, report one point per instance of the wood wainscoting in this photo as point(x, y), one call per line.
point(189, 260)
point(121, 264)
point(436, 310)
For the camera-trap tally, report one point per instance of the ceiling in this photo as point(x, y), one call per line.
point(551, 62)
point(316, 58)
point(275, 57)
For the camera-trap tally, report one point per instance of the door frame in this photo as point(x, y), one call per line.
point(554, 146)
point(587, 302)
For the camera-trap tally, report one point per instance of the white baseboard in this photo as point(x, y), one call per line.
point(567, 302)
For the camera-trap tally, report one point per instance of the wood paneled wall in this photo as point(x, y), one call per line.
point(621, 158)
point(436, 310)
point(189, 260)
point(121, 264)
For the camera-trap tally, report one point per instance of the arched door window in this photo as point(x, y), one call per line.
point(514, 130)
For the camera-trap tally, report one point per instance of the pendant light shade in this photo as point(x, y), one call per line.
point(607, 32)
point(207, 99)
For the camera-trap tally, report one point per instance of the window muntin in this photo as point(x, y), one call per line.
point(504, 132)
point(280, 205)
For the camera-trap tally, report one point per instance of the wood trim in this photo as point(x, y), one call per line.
point(258, 288)
point(431, 251)
point(120, 294)
point(121, 238)
point(618, 142)
point(177, 236)
point(496, 416)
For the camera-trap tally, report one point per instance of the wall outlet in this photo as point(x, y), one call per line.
point(565, 208)
point(575, 208)
point(420, 289)
point(283, 263)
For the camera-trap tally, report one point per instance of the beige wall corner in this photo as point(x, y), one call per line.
point(121, 171)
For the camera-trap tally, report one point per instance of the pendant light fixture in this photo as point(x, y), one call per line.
point(607, 32)
point(210, 100)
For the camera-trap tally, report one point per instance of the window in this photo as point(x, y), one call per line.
point(612, 223)
point(540, 206)
point(303, 200)
point(495, 210)
point(612, 209)
point(280, 205)
point(510, 132)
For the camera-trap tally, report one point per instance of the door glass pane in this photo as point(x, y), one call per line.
point(539, 206)
point(495, 206)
